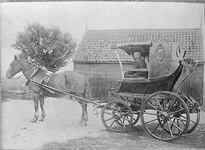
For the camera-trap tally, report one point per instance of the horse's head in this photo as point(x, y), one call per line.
point(14, 68)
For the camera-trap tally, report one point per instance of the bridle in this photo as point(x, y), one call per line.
point(29, 71)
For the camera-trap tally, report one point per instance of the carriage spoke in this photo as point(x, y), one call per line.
point(178, 119)
point(151, 114)
point(159, 104)
point(108, 113)
point(193, 121)
point(176, 126)
point(116, 105)
point(122, 123)
point(173, 122)
point(170, 130)
point(134, 119)
point(121, 109)
point(156, 127)
point(163, 131)
point(126, 119)
point(182, 121)
point(183, 117)
point(117, 124)
point(151, 121)
point(153, 107)
point(176, 111)
point(178, 123)
point(113, 109)
point(172, 105)
point(128, 115)
point(112, 123)
point(109, 119)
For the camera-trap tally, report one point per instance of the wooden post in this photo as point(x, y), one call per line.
point(121, 68)
point(202, 26)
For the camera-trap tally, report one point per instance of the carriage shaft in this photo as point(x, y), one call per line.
point(63, 92)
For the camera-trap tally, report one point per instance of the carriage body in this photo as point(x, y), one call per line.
point(153, 95)
point(162, 68)
point(149, 86)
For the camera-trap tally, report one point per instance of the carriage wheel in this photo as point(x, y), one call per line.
point(117, 116)
point(165, 116)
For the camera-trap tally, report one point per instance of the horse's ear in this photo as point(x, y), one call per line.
point(15, 57)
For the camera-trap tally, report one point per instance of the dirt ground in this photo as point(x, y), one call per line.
point(60, 130)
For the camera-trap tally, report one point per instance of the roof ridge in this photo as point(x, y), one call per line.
point(145, 29)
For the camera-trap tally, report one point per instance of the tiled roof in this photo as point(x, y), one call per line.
point(95, 44)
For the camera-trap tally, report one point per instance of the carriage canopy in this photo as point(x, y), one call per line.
point(131, 48)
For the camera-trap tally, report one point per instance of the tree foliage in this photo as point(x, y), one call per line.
point(49, 47)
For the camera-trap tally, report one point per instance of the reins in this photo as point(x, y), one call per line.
point(18, 77)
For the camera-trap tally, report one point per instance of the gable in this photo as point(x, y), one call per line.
point(95, 45)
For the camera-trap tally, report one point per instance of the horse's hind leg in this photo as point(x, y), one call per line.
point(36, 103)
point(43, 114)
point(84, 117)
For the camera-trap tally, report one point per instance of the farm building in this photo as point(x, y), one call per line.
point(98, 62)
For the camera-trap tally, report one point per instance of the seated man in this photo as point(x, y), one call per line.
point(138, 63)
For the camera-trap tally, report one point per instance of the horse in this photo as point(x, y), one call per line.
point(61, 80)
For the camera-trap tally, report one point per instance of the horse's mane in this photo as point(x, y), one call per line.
point(28, 61)
point(33, 63)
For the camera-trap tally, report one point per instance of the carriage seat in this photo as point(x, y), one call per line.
point(143, 80)
point(138, 73)
point(135, 80)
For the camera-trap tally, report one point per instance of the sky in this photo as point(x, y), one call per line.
point(73, 17)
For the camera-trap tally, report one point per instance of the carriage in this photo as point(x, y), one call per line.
point(156, 99)
point(165, 112)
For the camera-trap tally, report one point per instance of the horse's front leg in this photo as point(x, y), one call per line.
point(43, 114)
point(36, 103)
point(84, 117)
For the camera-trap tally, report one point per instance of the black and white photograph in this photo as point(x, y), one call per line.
point(102, 75)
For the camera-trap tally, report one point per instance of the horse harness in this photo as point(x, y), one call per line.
point(45, 79)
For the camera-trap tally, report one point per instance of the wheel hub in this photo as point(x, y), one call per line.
point(116, 116)
point(164, 116)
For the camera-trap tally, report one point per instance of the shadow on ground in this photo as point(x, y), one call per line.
point(136, 138)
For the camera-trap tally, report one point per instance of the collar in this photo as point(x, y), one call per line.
point(34, 72)
point(31, 76)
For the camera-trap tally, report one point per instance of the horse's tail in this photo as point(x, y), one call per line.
point(87, 92)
